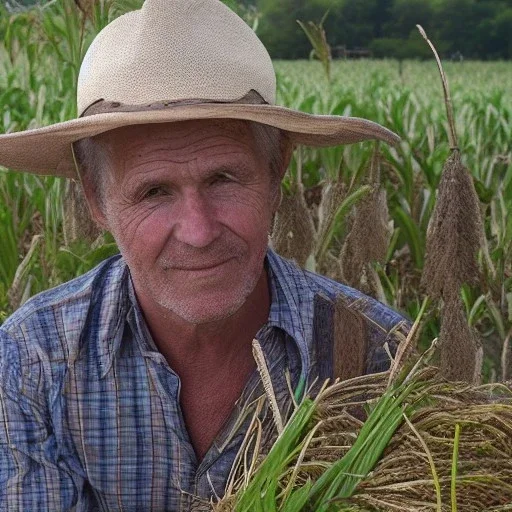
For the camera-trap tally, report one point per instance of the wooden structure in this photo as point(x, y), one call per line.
point(341, 52)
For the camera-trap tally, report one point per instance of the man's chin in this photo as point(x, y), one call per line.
point(207, 304)
point(203, 313)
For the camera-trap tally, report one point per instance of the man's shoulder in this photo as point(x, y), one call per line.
point(76, 291)
point(54, 318)
point(314, 285)
point(347, 325)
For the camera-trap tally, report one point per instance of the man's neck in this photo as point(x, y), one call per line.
point(214, 361)
point(209, 346)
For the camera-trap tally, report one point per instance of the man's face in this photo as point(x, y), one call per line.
point(190, 206)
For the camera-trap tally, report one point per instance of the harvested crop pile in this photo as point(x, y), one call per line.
point(404, 478)
point(421, 444)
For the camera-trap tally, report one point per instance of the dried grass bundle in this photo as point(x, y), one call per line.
point(19, 290)
point(333, 194)
point(369, 235)
point(454, 237)
point(461, 353)
point(78, 223)
point(404, 480)
point(455, 232)
point(453, 241)
point(294, 231)
point(418, 470)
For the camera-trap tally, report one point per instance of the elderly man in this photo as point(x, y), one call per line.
point(122, 389)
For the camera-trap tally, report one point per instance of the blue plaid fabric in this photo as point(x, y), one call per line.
point(89, 409)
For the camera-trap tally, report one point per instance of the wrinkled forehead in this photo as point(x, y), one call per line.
point(209, 142)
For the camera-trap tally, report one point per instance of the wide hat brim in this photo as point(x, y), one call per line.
point(48, 151)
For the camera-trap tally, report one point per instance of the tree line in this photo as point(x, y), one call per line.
point(475, 29)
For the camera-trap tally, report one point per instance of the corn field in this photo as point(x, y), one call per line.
point(42, 243)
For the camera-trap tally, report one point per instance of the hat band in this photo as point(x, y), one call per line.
point(104, 107)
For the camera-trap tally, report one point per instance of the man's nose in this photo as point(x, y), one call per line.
point(196, 224)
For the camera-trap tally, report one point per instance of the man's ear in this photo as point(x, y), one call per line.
point(96, 208)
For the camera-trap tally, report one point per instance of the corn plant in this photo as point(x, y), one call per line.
point(321, 49)
point(40, 53)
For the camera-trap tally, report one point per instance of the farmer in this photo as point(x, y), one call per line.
point(122, 389)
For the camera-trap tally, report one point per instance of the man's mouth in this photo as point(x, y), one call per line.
point(200, 268)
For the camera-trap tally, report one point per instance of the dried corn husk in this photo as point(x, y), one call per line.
point(18, 289)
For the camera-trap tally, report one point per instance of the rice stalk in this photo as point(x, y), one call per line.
point(431, 463)
point(333, 454)
point(342, 478)
point(266, 380)
point(260, 493)
point(298, 464)
point(254, 436)
point(406, 347)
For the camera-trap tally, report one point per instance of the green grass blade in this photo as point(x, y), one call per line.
point(455, 459)
point(262, 486)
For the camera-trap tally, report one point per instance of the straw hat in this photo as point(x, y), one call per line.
point(175, 60)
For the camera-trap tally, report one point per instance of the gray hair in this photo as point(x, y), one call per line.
point(93, 157)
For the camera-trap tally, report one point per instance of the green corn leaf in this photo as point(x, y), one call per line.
point(263, 485)
point(342, 478)
point(337, 219)
point(415, 239)
point(297, 500)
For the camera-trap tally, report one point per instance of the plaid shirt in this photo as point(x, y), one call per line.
point(89, 409)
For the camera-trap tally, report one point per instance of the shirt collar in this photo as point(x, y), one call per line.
point(291, 310)
point(292, 301)
point(106, 315)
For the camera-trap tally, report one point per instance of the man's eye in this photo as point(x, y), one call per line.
point(221, 178)
point(154, 192)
